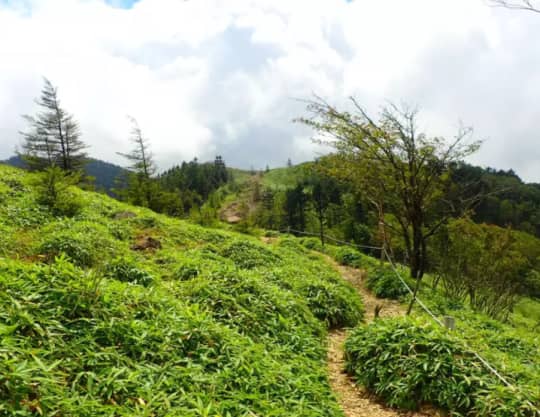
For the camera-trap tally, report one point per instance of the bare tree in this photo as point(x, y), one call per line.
point(529, 5)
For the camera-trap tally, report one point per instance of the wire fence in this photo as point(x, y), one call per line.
point(482, 360)
point(288, 230)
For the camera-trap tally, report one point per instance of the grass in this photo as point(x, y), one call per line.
point(409, 362)
point(283, 178)
point(207, 323)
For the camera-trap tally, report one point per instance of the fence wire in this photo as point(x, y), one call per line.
point(482, 360)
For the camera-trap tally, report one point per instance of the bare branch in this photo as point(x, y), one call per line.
point(527, 5)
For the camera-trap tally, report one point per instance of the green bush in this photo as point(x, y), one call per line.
point(76, 345)
point(532, 284)
point(311, 243)
point(68, 206)
point(54, 191)
point(329, 297)
point(248, 255)
point(85, 243)
point(408, 363)
point(258, 309)
point(347, 256)
point(384, 283)
point(187, 271)
point(74, 245)
point(292, 244)
point(336, 305)
point(125, 269)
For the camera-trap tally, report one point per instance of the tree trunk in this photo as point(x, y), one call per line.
point(321, 228)
point(416, 288)
point(417, 260)
point(382, 231)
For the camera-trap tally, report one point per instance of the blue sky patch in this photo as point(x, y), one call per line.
point(122, 4)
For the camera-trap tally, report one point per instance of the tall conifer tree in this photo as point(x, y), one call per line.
point(53, 137)
point(142, 166)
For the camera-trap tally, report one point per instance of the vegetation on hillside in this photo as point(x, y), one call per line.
point(114, 309)
point(111, 309)
point(409, 362)
point(103, 176)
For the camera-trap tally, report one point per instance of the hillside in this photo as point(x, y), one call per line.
point(119, 311)
point(411, 362)
point(105, 174)
point(116, 310)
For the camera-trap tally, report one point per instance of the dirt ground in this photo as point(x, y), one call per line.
point(354, 401)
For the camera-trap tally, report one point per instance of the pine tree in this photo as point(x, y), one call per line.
point(54, 135)
point(142, 167)
point(221, 174)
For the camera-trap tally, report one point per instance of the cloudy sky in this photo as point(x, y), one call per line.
point(207, 77)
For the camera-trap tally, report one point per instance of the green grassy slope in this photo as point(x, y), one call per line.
point(407, 362)
point(118, 311)
point(287, 177)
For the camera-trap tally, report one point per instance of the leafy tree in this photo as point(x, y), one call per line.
point(141, 186)
point(296, 201)
point(54, 135)
point(483, 264)
point(396, 167)
point(324, 192)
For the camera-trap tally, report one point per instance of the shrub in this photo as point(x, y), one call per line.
point(187, 271)
point(292, 244)
point(384, 283)
point(146, 222)
point(336, 305)
point(532, 284)
point(249, 255)
point(74, 245)
point(125, 269)
point(85, 243)
point(53, 186)
point(347, 256)
point(119, 231)
point(116, 350)
point(311, 243)
point(407, 363)
point(258, 309)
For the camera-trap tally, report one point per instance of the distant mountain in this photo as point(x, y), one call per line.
point(104, 173)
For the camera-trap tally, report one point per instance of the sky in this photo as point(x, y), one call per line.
point(208, 77)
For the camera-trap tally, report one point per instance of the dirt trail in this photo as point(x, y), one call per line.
point(238, 210)
point(354, 401)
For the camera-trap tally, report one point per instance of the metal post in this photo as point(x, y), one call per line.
point(449, 322)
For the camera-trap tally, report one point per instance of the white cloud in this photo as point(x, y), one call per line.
point(210, 76)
